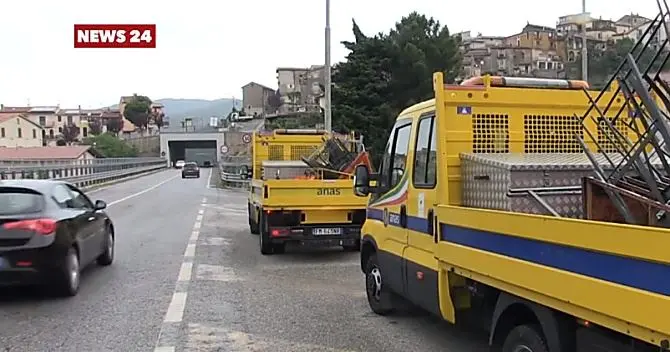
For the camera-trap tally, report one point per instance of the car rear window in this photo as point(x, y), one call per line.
point(15, 200)
point(191, 166)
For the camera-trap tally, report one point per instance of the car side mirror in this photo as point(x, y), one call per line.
point(100, 205)
point(361, 181)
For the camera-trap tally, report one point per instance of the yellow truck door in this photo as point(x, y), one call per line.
point(387, 209)
point(420, 262)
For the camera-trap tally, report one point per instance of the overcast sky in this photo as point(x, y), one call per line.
point(208, 49)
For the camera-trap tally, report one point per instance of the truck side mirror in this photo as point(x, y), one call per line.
point(361, 181)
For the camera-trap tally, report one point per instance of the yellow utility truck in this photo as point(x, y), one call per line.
point(300, 189)
point(485, 210)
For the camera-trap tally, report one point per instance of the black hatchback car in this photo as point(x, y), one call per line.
point(190, 170)
point(49, 231)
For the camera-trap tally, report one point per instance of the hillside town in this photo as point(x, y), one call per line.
point(535, 51)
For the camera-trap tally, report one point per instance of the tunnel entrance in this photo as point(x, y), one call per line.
point(201, 152)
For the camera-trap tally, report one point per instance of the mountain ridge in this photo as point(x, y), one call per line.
point(176, 109)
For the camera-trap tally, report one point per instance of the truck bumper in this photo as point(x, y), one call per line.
point(317, 234)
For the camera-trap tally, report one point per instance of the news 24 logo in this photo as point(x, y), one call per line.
point(114, 35)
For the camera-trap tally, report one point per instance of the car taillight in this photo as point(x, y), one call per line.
point(279, 232)
point(41, 226)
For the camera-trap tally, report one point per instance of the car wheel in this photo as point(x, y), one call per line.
point(69, 275)
point(253, 224)
point(107, 256)
point(380, 298)
point(525, 338)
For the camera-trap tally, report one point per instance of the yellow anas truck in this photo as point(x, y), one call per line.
point(300, 189)
point(485, 210)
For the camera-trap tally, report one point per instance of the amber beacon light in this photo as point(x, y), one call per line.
point(115, 36)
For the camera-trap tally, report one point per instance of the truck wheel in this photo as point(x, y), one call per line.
point(264, 243)
point(380, 298)
point(253, 224)
point(525, 338)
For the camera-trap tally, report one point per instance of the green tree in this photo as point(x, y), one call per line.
point(110, 146)
point(602, 64)
point(70, 133)
point(138, 111)
point(95, 126)
point(114, 126)
point(385, 73)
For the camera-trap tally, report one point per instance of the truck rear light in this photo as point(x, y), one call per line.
point(41, 226)
point(279, 232)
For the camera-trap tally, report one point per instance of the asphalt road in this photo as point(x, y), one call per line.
point(188, 277)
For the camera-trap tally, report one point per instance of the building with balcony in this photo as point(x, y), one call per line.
point(17, 131)
point(300, 89)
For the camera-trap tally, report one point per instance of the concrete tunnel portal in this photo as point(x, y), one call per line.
point(202, 148)
point(201, 152)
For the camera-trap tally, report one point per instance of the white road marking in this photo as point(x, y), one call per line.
point(204, 200)
point(194, 236)
point(185, 272)
point(142, 192)
point(190, 251)
point(175, 311)
point(216, 241)
point(209, 179)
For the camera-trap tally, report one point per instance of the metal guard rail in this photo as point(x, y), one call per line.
point(82, 173)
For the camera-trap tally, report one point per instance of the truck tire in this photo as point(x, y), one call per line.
point(525, 338)
point(253, 224)
point(380, 298)
point(264, 243)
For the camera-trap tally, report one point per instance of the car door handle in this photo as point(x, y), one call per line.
point(91, 218)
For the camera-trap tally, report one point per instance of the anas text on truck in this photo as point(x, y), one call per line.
point(300, 189)
point(536, 209)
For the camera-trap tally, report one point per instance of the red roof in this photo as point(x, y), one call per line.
point(43, 153)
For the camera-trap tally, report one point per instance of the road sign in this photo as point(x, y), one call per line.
point(224, 149)
point(246, 138)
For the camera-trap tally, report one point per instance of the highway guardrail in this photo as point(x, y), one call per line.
point(230, 168)
point(82, 173)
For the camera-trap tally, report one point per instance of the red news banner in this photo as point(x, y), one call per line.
point(115, 36)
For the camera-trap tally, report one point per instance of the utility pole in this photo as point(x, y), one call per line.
point(327, 111)
point(585, 57)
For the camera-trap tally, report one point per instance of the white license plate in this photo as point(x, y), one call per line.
point(327, 231)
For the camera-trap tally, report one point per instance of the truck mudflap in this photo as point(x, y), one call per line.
point(317, 234)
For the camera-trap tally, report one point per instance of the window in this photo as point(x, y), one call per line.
point(2, 132)
point(395, 156)
point(62, 196)
point(84, 131)
point(14, 201)
point(19, 132)
point(60, 118)
point(69, 119)
point(425, 154)
point(80, 200)
point(43, 120)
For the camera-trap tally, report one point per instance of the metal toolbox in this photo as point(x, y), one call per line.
point(528, 183)
point(280, 169)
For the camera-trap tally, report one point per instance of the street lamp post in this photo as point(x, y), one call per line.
point(327, 111)
point(585, 59)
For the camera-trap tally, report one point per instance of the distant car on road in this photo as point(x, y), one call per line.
point(50, 231)
point(179, 164)
point(190, 170)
